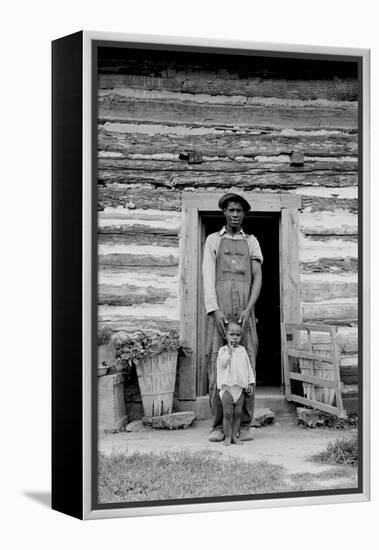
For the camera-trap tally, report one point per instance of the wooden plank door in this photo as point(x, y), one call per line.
point(189, 257)
point(202, 322)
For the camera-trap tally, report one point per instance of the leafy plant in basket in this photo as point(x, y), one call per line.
point(130, 348)
point(154, 356)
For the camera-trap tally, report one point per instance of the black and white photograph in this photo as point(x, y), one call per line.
point(229, 261)
point(189, 309)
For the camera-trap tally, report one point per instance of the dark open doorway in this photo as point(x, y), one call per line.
point(265, 226)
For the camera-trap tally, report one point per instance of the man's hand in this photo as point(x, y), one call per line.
point(243, 320)
point(221, 321)
point(249, 389)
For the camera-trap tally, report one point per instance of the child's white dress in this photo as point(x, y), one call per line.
point(233, 374)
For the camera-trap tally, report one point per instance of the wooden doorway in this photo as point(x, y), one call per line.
point(265, 226)
point(274, 221)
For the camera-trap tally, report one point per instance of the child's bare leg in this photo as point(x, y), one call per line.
point(237, 411)
point(227, 412)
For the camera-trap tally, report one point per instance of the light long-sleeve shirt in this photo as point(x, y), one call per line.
point(234, 370)
point(211, 247)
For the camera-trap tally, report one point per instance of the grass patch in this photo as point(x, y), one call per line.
point(183, 474)
point(342, 451)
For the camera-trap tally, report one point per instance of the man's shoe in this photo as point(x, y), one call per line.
point(246, 434)
point(216, 436)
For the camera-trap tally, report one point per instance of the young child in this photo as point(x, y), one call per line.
point(234, 376)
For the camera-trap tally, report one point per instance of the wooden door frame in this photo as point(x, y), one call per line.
point(193, 205)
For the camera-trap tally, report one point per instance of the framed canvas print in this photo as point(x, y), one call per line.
point(210, 275)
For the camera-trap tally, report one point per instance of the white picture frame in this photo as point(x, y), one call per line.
point(82, 384)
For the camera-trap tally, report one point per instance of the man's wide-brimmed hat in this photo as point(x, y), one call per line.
point(233, 197)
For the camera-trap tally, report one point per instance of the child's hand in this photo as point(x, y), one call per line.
point(249, 389)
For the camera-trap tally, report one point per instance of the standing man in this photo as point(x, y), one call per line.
point(232, 282)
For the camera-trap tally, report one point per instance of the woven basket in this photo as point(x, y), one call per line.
point(156, 378)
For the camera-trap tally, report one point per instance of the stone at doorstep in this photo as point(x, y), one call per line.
point(262, 417)
point(310, 417)
point(172, 421)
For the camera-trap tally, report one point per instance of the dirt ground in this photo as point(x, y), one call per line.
point(283, 443)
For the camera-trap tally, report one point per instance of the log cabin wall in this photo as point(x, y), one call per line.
point(247, 117)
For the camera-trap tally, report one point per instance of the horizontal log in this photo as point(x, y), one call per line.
point(168, 311)
point(157, 251)
point(157, 277)
point(327, 192)
point(316, 287)
point(313, 249)
point(125, 216)
point(326, 223)
point(129, 236)
point(142, 197)
point(127, 295)
point(127, 286)
point(157, 129)
point(131, 324)
point(196, 82)
point(142, 260)
point(169, 108)
point(330, 265)
point(330, 310)
point(327, 238)
point(124, 94)
point(192, 179)
point(147, 197)
point(122, 273)
point(137, 229)
point(329, 204)
point(136, 255)
point(139, 317)
point(337, 322)
point(252, 166)
point(152, 227)
point(223, 143)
